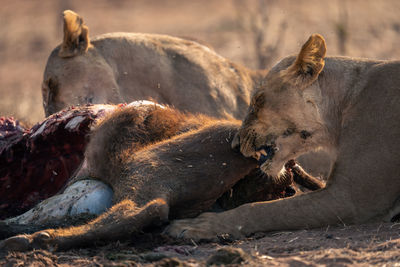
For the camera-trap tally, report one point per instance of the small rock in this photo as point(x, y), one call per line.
point(123, 256)
point(152, 256)
point(170, 262)
point(228, 255)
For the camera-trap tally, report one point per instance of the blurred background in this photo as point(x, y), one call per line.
point(255, 33)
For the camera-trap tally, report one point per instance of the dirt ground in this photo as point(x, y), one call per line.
point(29, 30)
point(361, 245)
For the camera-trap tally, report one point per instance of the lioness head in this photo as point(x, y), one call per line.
point(75, 69)
point(283, 119)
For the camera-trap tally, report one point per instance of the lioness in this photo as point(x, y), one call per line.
point(348, 106)
point(123, 67)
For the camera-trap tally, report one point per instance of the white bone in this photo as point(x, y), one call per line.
point(85, 196)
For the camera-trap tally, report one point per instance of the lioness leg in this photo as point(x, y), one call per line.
point(309, 210)
point(123, 219)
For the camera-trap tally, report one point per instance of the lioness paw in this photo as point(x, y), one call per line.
point(182, 229)
point(206, 227)
point(40, 240)
point(16, 243)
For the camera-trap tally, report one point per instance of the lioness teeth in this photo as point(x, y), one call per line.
point(265, 153)
point(260, 153)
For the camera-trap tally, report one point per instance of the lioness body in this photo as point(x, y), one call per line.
point(123, 67)
point(349, 107)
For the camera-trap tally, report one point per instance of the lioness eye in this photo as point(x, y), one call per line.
point(305, 134)
point(289, 131)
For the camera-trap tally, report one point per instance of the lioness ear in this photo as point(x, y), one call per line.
point(76, 35)
point(309, 62)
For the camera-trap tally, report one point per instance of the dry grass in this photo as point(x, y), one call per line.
point(30, 29)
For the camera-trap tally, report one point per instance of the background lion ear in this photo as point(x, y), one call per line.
point(310, 61)
point(76, 35)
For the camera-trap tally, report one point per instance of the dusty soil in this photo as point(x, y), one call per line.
point(361, 245)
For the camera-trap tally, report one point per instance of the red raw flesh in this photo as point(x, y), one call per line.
point(35, 165)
